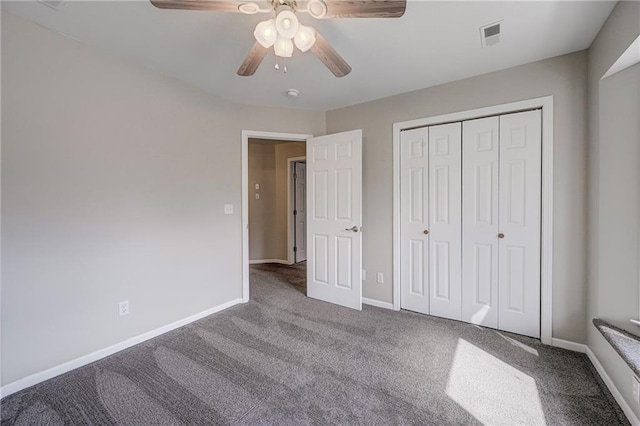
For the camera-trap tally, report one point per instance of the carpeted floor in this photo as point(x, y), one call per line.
point(286, 359)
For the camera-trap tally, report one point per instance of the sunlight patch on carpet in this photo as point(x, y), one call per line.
point(491, 390)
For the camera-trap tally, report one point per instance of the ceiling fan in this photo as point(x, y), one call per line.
point(284, 30)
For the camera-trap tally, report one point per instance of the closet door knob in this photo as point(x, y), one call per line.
point(501, 235)
point(425, 232)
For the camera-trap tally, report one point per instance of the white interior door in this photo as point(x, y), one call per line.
point(480, 150)
point(300, 216)
point(520, 203)
point(414, 222)
point(445, 220)
point(334, 216)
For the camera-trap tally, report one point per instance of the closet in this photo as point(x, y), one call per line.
point(470, 221)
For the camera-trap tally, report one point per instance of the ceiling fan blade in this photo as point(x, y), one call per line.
point(332, 60)
point(253, 60)
point(365, 8)
point(210, 5)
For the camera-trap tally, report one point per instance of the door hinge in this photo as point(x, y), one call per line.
point(295, 249)
point(295, 212)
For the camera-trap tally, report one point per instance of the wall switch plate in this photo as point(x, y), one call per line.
point(257, 186)
point(257, 196)
point(636, 390)
point(228, 209)
point(123, 308)
point(364, 275)
point(379, 277)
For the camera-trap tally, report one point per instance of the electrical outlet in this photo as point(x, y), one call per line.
point(379, 277)
point(257, 186)
point(636, 390)
point(228, 209)
point(257, 195)
point(123, 308)
point(364, 275)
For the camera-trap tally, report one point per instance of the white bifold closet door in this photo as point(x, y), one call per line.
point(445, 226)
point(480, 171)
point(520, 210)
point(414, 249)
point(431, 220)
point(501, 205)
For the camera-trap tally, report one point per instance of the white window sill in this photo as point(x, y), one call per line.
point(636, 322)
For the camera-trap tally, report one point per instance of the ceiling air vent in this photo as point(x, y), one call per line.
point(490, 34)
point(53, 4)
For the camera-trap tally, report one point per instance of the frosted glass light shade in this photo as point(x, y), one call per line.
point(305, 38)
point(287, 24)
point(266, 33)
point(283, 47)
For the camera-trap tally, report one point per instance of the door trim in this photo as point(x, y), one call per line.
point(546, 272)
point(290, 219)
point(255, 134)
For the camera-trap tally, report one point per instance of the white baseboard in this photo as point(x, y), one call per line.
point(259, 261)
point(52, 372)
point(566, 344)
point(633, 419)
point(379, 304)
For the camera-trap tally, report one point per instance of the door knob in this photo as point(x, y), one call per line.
point(501, 235)
point(425, 232)
point(353, 229)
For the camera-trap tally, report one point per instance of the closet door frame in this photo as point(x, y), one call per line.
point(546, 266)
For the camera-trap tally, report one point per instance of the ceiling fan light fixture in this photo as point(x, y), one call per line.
point(305, 38)
point(266, 33)
point(283, 47)
point(287, 24)
point(317, 9)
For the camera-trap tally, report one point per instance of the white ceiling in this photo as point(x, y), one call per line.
point(433, 43)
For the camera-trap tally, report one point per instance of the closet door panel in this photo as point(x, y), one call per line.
point(480, 164)
point(520, 204)
point(445, 221)
point(414, 249)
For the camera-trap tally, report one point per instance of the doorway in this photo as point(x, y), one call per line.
point(334, 182)
point(261, 193)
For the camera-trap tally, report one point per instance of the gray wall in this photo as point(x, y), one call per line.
point(613, 190)
point(113, 185)
point(262, 212)
point(563, 77)
point(268, 216)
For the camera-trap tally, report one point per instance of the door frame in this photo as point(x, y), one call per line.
point(255, 134)
point(546, 241)
point(290, 199)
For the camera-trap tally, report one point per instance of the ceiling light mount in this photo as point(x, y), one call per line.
point(293, 93)
point(317, 9)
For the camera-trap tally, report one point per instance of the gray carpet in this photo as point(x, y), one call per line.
point(286, 359)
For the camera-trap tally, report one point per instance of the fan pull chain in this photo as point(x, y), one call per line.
point(284, 64)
